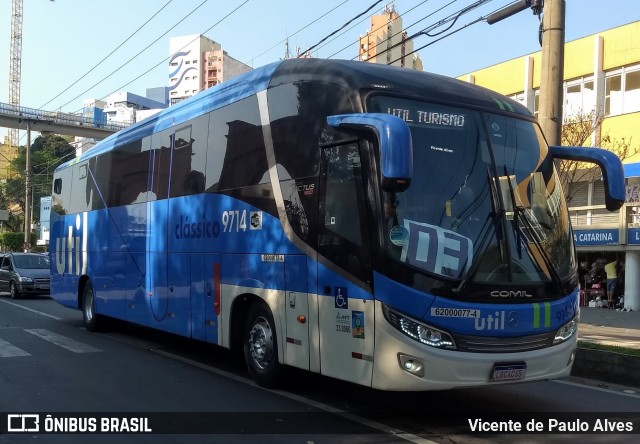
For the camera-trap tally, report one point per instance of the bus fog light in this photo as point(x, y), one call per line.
point(411, 365)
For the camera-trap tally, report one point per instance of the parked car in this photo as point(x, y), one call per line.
point(24, 273)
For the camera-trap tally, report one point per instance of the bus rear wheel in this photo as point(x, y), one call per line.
point(92, 321)
point(261, 346)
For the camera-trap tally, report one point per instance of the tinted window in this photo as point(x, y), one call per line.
point(60, 199)
point(236, 156)
point(161, 159)
point(298, 114)
point(189, 158)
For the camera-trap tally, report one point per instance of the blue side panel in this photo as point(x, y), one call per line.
point(405, 299)
point(178, 318)
point(249, 270)
point(108, 278)
point(331, 283)
point(211, 261)
point(218, 223)
point(137, 305)
point(198, 297)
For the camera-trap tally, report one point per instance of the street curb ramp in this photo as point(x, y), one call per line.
point(607, 366)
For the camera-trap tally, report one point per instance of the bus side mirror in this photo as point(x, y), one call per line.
point(394, 140)
point(609, 163)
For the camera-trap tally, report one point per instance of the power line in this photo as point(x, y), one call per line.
point(167, 58)
point(479, 19)
point(343, 26)
point(300, 30)
point(135, 56)
point(108, 55)
point(434, 26)
point(375, 30)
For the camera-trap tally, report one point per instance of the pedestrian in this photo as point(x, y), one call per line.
point(612, 279)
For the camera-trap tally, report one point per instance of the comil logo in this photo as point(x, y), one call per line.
point(510, 294)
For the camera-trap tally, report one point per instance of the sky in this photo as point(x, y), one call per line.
point(62, 40)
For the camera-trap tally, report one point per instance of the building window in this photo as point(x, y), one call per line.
point(195, 62)
point(174, 64)
point(187, 62)
point(622, 91)
point(579, 99)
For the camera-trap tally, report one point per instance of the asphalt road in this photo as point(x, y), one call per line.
point(49, 364)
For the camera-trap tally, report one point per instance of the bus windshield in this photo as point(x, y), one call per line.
point(485, 203)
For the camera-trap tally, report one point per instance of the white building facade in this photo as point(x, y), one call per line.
point(197, 63)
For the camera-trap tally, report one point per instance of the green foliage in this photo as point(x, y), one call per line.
point(12, 241)
point(47, 152)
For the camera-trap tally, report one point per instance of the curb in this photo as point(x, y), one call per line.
point(607, 366)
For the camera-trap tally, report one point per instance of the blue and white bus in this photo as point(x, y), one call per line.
point(397, 229)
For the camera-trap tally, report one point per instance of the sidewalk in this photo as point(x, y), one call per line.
point(609, 327)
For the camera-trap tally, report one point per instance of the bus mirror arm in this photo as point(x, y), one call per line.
point(609, 163)
point(394, 142)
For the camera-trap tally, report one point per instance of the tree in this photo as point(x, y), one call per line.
point(47, 152)
point(577, 131)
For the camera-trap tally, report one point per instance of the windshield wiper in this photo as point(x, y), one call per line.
point(520, 214)
point(498, 216)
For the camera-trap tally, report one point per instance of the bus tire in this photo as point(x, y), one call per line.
point(92, 321)
point(261, 346)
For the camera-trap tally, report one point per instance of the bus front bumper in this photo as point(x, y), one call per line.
point(447, 369)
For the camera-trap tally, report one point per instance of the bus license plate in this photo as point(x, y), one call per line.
point(508, 371)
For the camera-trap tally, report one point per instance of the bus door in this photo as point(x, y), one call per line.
point(296, 312)
point(345, 301)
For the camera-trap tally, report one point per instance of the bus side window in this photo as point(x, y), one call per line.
point(343, 236)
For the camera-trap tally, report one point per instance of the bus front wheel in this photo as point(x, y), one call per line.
point(92, 321)
point(261, 346)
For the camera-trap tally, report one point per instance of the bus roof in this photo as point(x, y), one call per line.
point(360, 76)
point(393, 79)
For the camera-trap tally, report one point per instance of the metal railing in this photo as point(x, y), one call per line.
point(58, 117)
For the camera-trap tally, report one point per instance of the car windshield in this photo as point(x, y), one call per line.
point(485, 202)
point(32, 261)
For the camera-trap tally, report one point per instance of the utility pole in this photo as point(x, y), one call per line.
point(552, 69)
point(27, 193)
point(552, 73)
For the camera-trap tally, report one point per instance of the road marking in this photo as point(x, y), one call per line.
point(62, 341)
point(32, 310)
point(8, 350)
point(301, 399)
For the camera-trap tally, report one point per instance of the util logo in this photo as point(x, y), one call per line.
point(70, 254)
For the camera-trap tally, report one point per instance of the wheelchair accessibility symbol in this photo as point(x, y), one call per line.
point(341, 299)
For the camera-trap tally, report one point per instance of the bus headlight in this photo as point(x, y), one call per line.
point(423, 333)
point(567, 330)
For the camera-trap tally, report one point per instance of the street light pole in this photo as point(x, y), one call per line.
point(552, 71)
point(27, 192)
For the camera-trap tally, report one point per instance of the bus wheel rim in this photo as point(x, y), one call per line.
point(261, 343)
